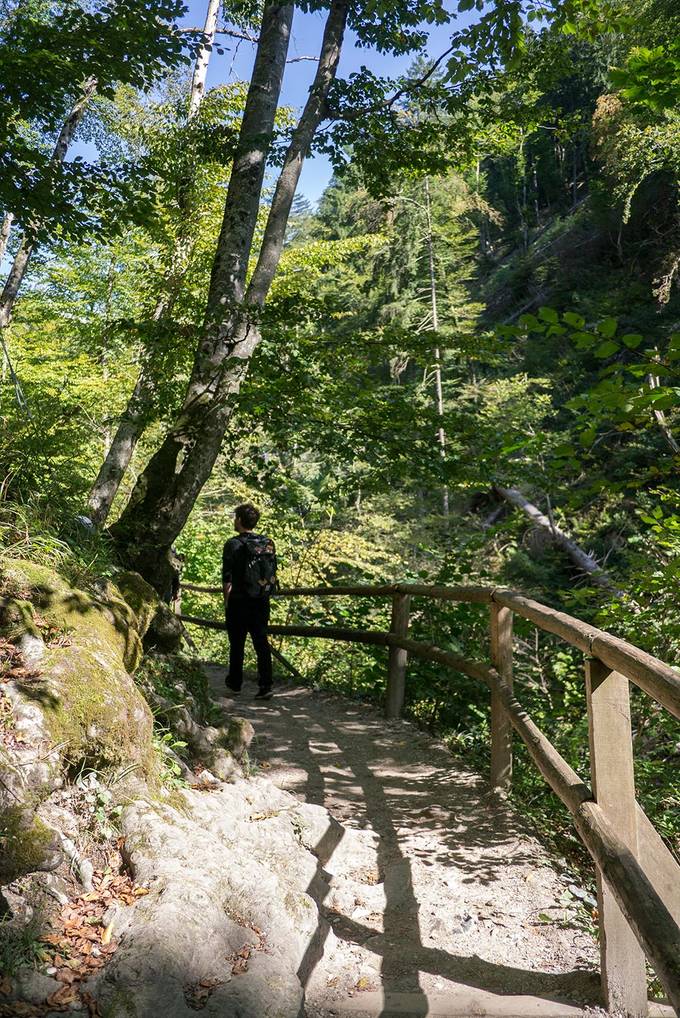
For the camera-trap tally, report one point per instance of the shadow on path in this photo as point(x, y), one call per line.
point(426, 808)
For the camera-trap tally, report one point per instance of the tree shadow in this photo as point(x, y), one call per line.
point(423, 805)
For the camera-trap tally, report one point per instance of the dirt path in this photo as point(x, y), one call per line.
point(455, 896)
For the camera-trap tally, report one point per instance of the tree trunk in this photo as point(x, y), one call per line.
point(203, 58)
point(166, 491)
point(137, 412)
point(439, 393)
point(5, 231)
point(23, 255)
point(581, 558)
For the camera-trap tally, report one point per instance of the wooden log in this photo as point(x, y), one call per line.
point(562, 778)
point(578, 634)
point(501, 726)
point(470, 595)
point(622, 961)
point(659, 863)
point(657, 679)
point(287, 664)
point(642, 906)
point(581, 558)
point(426, 651)
point(649, 673)
point(650, 919)
point(204, 623)
point(384, 590)
point(398, 657)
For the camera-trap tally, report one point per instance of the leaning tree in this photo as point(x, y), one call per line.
point(366, 112)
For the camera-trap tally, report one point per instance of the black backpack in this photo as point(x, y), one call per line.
point(259, 577)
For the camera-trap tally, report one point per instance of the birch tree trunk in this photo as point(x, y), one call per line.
point(166, 491)
point(23, 256)
point(5, 231)
point(203, 59)
point(439, 393)
point(136, 415)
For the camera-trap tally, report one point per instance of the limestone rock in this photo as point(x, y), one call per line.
point(34, 987)
point(231, 904)
point(83, 698)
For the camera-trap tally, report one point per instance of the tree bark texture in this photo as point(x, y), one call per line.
point(439, 392)
point(203, 59)
point(167, 490)
point(581, 558)
point(27, 246)
point(5, 231)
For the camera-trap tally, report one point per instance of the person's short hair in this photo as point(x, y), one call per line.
point(247, 514)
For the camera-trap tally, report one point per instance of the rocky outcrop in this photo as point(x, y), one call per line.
point(232, 919)
point(75, 704)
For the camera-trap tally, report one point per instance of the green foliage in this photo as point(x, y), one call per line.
point(545, 187)
point(650, 77)
point(20, 945)
point(46, 55)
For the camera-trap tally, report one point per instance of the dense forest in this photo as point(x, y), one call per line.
point(462, 365)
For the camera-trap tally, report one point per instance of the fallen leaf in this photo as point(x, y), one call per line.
point(106, 935)
point(64, 995)
point(5, 986)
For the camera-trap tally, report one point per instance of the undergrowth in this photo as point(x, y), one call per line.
point(20, 946)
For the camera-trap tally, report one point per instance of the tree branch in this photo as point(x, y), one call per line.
point(312, 114)
point(407, 88)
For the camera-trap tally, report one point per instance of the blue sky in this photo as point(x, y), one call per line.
point(306, 39)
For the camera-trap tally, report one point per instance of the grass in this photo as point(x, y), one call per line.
point(20, 947)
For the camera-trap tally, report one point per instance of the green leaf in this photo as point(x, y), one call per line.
point(530, 323)
point(606, 349)
point(587, 437)
point(548, 315)
point(571, 318)
point(607, 327)
point(632, 340)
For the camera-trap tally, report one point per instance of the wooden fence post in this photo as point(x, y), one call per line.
point(396, 666)
point(501, 727)
point(622, 960)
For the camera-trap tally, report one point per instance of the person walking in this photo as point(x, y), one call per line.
point(248, 581)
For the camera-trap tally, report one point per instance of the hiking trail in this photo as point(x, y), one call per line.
point(445, 912)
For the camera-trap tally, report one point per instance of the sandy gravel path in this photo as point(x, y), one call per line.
point(450, 911)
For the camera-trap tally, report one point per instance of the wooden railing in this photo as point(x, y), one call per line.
point(638, 878)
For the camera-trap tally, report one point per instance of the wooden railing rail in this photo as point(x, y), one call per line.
point(638, 878)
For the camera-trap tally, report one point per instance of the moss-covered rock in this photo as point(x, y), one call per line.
point(158, 626)
point(61, 609)
point(90, 704)
point(141, 597)
point(26, 844)
point(237, 736)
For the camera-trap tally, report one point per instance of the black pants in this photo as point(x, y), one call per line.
point(248, 615)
